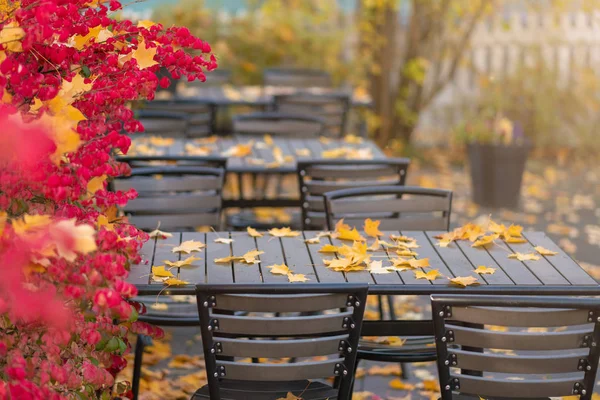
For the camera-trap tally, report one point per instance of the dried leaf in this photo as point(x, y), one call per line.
point(253, 232)
point(400, 385)
point(406, 253)
point(161, 272)
point(182, 263)
point(159, 234)
point(328, 248)
point(297, 278)
point(514, 240)
point(371, 228)
point(189, 246)
point(283, 232)
point(482, 269)
point(223, 240)
point(341, 225)
point(228, 259)
point(545, 252)
point(250, 257)
point(524, 257)
point(315, 240)
point(401, 238)
point(175, 282)
point(376, 267)
point(430, 276)
point(464, 281)
point(144, 55)
point(484, 241)
point(290, 396)
point(280, 269)
point(345, 234)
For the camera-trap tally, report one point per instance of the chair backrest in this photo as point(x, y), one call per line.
point(163, 123)
point(217, 77)
point(332, 107)
point(180, 198)
point(281, 321)
point(140, 161)
point(316, 177)
point(516, 347)
point(296, 77)
point(278, 124)
point(397, 207)
point(200, 115)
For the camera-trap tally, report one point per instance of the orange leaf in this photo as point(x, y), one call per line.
point(372, 228)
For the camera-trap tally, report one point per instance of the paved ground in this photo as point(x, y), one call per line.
point(559, 197)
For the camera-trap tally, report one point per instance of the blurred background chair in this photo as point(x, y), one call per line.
point(399, 208)
point(297, 77)
point(163, 123)
point(281, 322)
point(316, 177)
point(332, 107)
point(279, 124)
point(139, 161)
point(201, 116)
point(548, 342)
point(218, 77)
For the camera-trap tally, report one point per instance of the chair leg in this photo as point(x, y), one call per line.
point(141, 342)
point(404, 373)
point(380, 306)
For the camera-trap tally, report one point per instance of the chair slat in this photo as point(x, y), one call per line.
point(279, 372)
point(284, 127)
point(421, 204)
point(520, 364)
point(284, 303)
point(415, 223)
point(168, 184)
point(508, 388)
point(322, 187)
point(183, 201)
point(170, 222)
point(350, 171)
point(263, 326)
point(280, 348)
point(518, 340)
point(525, 317)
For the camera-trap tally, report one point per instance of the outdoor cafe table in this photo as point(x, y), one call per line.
point(550, 275)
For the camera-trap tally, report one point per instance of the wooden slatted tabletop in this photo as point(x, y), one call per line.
point(261, 158)
point(557, 274)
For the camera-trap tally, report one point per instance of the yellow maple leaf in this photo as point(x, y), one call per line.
point(253, 232)
point(328, 248)
point(524, 257)
point(289, 396)
point(402, 238)
point(408, 245)
point(372, 228)
point(30, 223)
point(71, 90)
point(376, 267)
point(514, 230)
point(484, 241)
point(283, 232)
point(545, 252)
point(464, 281)
point(431, 385)
point(250, 256)
point(95, 184)
point(400, 385)
point(345, 234)
point(279, 269)
point(145, 24)
point(341, 225)
point(422, 263)
point(102, 221)
point(482, 269)
point(227, 259)
point(297, 278)
point(175, 282)
point(182, 263)
point(495, 227)
point(79, 41)
point(189, 246)
point(144, 55)
point(516, 240)
point(223, 240)
point(11, 36)
point(161, 272)
point(430, 276)
point(406, 253)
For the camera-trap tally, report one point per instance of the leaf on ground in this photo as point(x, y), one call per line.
point(524, 257)
point(297, 277)
point(464, 281)
point(346, 234)
point(431, 385)
point(384, 370)
point(278, 269)
point(283, 232)
point(159, 234)
point(430, 276)
point(175, 282)
point(482, 269)
point(189, 246)
point(182, 263)
point(161, 272)
point(400, 385)
point(371, 228)
point(253, 232)
point(328, 248)
point(223, 240)
point(545, 252)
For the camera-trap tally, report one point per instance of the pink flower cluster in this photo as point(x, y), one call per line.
point(64, 323)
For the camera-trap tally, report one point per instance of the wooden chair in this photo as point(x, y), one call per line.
point(332, 107)
point(201, 116)
point(163, 123)
point(181, 200)
point(316, 177)
point(278, 124)
point(549, 346)
point(280, 322)
point(424, 209)
point(296, 77)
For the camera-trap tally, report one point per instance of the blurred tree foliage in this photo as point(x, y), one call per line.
point(269, 33)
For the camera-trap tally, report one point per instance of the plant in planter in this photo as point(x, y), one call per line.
point(497, 151)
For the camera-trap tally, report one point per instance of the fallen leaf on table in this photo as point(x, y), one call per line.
point(250, 257)
point(406, 253)
point(223, 240)
point(375, 246)
point(376, 267)
point(192, 150)
point(161, 141)
point(400, 385)
point(280, 269)
point(484, 241)
point(430, 276)
point(444, 242)
point(524, 257)
point(315, 240)
point(189, 246)
point(175, 282)
point(159, 234)
point(160, 271)
point(341, 225)
point(431, 385)
point(343, 265)
point(253, 232)
point(401, 238)
point(228, 259)
point(482, 269)
point(413, 263)
point(464, 281)
point(383, 370)
point(268, 140)
point(239, 150)
point(408, 245)
point(159, 306)
point(328, 248)
point(290, 396)
point(297, 278)
point(345, 234)
point(283, 232)
point(303, 152)
point(182, 263)
point(371, 228)
point(545, 252)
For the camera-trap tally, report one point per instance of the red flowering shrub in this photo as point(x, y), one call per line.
point(67, 72)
